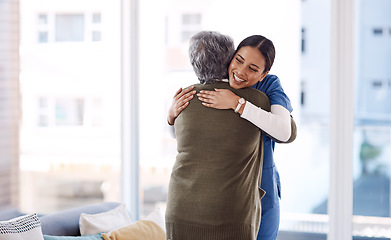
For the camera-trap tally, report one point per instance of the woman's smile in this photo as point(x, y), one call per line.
point(238, 79)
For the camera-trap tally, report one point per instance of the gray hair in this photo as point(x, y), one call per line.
point(210, 55)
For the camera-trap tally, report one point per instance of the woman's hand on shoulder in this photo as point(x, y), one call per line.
point(179, 102)
point(220, 99)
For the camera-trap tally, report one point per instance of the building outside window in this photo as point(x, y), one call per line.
point(69, 27)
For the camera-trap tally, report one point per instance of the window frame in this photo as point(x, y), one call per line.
point(340, 204)
point(130, 186)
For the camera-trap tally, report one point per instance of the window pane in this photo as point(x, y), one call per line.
point(69, 112)
point(43, 37)
point(372, 133)
point(69, 27)
point(43, 19)
point(310, 151)
point(96, 18)
point(96, 36)
point(70, 147)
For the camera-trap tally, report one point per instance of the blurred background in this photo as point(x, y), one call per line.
point(60, 101)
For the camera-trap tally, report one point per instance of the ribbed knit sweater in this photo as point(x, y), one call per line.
point(214, 187)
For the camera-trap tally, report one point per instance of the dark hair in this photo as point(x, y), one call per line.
point(264, 46)
point(210, 54)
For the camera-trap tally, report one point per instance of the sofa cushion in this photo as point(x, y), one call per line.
point(9, 212)
point(27, 227)
point(66, 222)
point(142, 229)
point(105, 221)
point(152, 227)
point(87, 237)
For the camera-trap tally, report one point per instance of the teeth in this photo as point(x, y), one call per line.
point(238, 79)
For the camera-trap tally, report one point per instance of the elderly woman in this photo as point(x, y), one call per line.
point(214, 187)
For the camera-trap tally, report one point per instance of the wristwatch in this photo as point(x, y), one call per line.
point(240, 103)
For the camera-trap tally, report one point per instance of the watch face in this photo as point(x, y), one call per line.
point(241, 100)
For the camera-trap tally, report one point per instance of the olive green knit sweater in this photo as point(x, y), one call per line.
point(214, 187)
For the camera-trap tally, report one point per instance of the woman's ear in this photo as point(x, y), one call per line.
point(263, 75)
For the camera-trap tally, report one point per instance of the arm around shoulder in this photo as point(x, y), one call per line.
point(293, 133)
point(277, 124)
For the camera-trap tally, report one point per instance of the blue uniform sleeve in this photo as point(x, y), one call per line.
point(272, 87)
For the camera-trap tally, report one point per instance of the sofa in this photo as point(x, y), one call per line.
point(106, 220)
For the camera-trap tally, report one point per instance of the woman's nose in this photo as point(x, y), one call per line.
point(240, 70)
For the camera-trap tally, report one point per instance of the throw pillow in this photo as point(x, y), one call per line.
point(149, 228)
point(27, 227)
point(67, 222)
point(90, 224)
point(157, 216)
point(87, 237)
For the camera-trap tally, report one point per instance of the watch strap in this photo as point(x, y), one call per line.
point(240, 103)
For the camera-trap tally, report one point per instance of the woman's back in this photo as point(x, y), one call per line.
point(214, 189)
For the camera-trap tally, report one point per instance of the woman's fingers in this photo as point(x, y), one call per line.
point(178, 92)
point(181, 99)
point(186, 92)
point(206, 96)
point(205, 93)
point(220, 98)
point(185, 95)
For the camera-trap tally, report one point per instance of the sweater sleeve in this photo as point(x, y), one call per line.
point(275, 123)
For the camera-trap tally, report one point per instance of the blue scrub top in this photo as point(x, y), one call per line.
point(270, 182)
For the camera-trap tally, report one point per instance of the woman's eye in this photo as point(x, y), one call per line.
point(239, 60)
point(254, 70)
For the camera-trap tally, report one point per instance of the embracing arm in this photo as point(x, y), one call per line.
point(179, 102)
point(277, 123)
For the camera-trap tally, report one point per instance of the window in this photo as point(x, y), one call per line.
point(96, 27)
point(43, 112)
point(303, 38)
point(377, 83)
point(43, 35)
point(155, 166)
point(69, 27)
point(96, 36)
point(43, 19)
point(302, 94)
point(69, 112)
point(372, 128)
point(66, 111)
point(190, 25)
point(70, 147)
point(378, 31)
point(96, 18)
